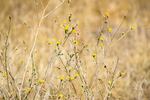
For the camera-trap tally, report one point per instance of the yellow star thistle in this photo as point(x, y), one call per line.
point(40, 81)
point(132, 27)
point(106, 14)
point(75, 42)
point(66, 28)
point(58, 43)
point(101, 44)
point(101, 38)
point(110, 30)
point(27, 90)
point(61, 78)
point(94, 55)
point(60, 96)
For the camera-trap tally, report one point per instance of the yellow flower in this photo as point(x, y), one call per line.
point(101, 38)
point(71, 78)
point(76, 75)
point(122, 74)
point(66, 28)
point(75, 42)
point(40, 81)
point(101, 44)
point(110, 30)
point(58, 43)
point(61, 78)
point(74, 31)
point(5, 74)
point(27, 90)
point(50, 42)
point(60, 96)
point(110, 82)
point(106, 14)
point(94, 55)
point(132, 27)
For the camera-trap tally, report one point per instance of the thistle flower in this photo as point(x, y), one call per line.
point(110, 82)
point(110, 30)
point(61, 78)
point(74, 31)
point(66, 28)
point(5, 74)
point(101, 38)
point(121, 74)
point(94, 55)
point(58, 43)
point(71, 78)
point(132, 27)
point(60, 96)
point(40, 81)
point(76, 75)
point(106, 14)
point(101, 44)
point(50, 43)
point(75, 42)
point(27, 90)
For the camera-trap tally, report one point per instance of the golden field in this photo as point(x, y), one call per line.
point(74, 50)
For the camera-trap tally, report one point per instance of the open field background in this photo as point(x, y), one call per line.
point(74, 50)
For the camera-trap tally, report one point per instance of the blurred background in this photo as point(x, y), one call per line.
point(133, 50)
